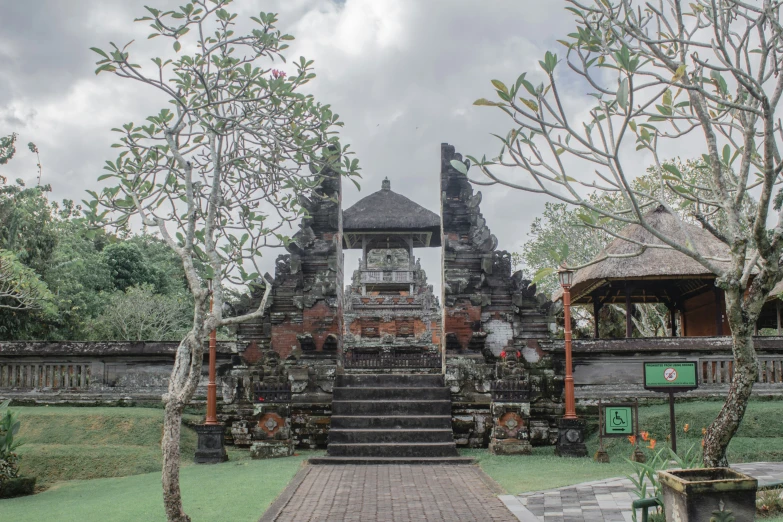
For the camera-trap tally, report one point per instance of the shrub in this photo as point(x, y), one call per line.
point(9, 427)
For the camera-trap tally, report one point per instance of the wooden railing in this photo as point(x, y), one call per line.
point(720, 370)
point(49, 375)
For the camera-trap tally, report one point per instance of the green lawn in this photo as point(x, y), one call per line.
point(760, 438)
point(238, 490)
point(64, 446)
point(69, 443)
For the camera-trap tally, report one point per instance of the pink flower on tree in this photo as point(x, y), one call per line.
point(276, 73)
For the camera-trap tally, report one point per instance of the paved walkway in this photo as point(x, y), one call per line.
point(398, 493)
point(603, 500)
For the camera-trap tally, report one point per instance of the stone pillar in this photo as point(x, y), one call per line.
point(272, 435)
point(510, 428)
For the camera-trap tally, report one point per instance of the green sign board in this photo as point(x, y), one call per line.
point(618, 420)
point(670, 376)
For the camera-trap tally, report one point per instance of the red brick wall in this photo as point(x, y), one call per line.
point(460, 320)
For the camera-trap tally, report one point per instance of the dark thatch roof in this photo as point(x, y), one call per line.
point(653, 264)
point(388, 211)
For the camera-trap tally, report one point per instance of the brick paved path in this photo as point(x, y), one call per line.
point(604, 500)
point(398, 493)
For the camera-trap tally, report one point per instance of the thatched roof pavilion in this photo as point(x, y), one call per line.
point(657, 275)
point(385, 214)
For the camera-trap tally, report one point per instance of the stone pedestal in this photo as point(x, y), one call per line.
point(510, 432)
point(272, 433)
point(570, 438)
point(270, 449)
point(210, 449)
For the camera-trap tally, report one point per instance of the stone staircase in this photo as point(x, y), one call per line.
point(391, 419)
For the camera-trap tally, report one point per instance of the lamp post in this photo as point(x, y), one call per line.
point(211, 448)
point(570, 437)
point(566, 279)
point(211, 419)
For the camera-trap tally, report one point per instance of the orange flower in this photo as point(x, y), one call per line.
point(632, 439)
point(704, 431)
point(652, 444)
point(645, 436)
point(702, 443)
point(686, 428)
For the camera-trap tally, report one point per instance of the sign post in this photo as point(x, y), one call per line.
point(671, 378)
point(616, 420)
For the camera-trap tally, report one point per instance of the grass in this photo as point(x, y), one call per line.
point(542, 470)
point(64, 446)
point(238, 490)
point(760, 438)
point(72, 443)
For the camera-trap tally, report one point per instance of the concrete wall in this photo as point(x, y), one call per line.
point(91, 372)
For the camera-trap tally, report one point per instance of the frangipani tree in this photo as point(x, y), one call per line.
point(704, 72)
point(218, 173)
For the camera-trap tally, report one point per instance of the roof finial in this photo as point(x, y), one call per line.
point(386, 184)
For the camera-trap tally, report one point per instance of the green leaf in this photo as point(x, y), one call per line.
point(542, 274)
point(500, 86)
point(486, 102)
point(95, 49)
point(533, 106)
point(459, 166)
point(622, 93)
point(673, 170)
point(177, 46)
point(726, 155)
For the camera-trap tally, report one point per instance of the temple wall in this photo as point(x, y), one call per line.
point(93, 372)
point(488, 311)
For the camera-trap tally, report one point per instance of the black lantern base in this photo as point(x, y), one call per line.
point(210, 449)
point(571, 438)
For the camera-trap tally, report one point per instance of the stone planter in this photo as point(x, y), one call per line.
point(17, 487)
point(699, 495)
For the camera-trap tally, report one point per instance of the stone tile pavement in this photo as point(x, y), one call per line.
point(398, 493)
point(603, 500)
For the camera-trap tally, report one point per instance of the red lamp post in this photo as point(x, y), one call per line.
point(211, 449)
point(570, 437)
point(211, 385)
point(566, 279)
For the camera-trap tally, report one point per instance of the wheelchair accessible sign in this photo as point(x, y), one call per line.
point(618, 420)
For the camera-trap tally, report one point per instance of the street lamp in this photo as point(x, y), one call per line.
point(211, 419)
point(211, 449)
point(566, 277)
point(570, 437)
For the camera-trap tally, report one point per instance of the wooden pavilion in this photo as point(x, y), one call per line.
point(626, 273)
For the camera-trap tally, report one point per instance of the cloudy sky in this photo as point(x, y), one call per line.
point(402, 74)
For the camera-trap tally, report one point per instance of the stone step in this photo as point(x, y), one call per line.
point(389, 422)
point(391, 460)
point(388, 380)
point(413, 393)
point(352, 436)
point(393, 449)
point(391, 407)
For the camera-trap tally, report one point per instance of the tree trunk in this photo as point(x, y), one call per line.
point(172, 498)
point(182, 385)
point(725, 425)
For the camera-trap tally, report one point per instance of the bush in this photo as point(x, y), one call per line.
point(9, 427)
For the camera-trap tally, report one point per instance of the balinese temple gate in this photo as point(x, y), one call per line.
point(384, 369)
point(374, 366)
